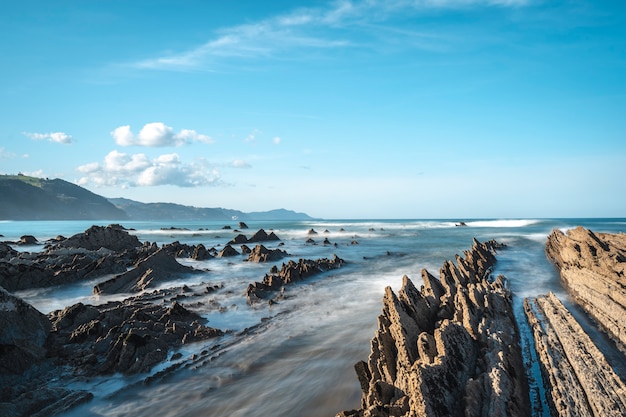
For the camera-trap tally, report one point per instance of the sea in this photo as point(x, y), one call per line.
point(296, 357)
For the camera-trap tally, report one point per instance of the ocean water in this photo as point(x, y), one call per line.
point(298, 359)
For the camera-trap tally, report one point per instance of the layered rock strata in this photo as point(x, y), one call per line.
point(450, 348)
point(156, 268)
point(592, 268)
point(578, 379)
point(289, 273)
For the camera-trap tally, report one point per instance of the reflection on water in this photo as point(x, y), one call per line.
point(299, 362)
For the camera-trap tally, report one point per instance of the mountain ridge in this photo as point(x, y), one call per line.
point(24, 197)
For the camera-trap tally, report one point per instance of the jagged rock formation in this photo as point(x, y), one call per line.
point(127, 337)
point(592, 268)
point(578, 379)
point(97, 251)
point(261, 254)
point(289, 273)
point(113, 237)
point(156, 268)
point(449, 349)
point(260, 236)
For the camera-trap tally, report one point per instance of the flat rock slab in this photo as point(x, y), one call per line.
point(579, 381)
point(593, 270)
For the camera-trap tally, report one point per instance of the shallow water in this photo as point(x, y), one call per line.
point(299, 362)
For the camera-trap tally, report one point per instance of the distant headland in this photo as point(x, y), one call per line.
point(23, 197)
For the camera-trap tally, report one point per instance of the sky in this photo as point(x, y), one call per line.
point(353, 109)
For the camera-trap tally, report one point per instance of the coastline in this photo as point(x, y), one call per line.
point(390, 259)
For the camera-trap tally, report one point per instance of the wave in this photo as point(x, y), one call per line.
point(502, 223)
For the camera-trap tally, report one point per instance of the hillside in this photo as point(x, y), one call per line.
point(170, 211)
point(29, 198)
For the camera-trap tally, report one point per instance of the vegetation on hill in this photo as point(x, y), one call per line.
point(23, 197)
point(29, 198)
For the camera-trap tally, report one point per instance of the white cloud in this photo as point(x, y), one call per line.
point(157, 134)
point(58, 137)
point(276, 140)
point(306, 29)
point(137, 170)
point(239, 163)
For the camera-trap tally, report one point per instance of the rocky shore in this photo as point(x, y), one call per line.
point(450, 345)
point(129, 337)
point(452, 348)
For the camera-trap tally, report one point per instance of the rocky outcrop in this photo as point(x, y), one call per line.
point(261, 254)
point(578, 379)
point(156, 268)
point(450, 348)
point(23, 335)
point(289, 273)
point(260, 236)
point(127, 337)
point(592, 268)
point(113, 237)
point(97, 251)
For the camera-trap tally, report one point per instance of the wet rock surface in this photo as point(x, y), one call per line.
point(289, 273)
point(448, 349)
point(592, 268)
point(156, 268)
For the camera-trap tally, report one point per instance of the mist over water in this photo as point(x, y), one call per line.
point(298, 359)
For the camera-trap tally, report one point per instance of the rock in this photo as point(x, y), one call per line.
point(311, 232)
point(113, 237)
point(239, 239)
point(227, 252)
point(262, 236)
point(592, 268)
point(158, 267)
point(242, 225)
point(27, 240)
point(23, 335)
point(450, 348)
point(261, 254)
point(578, 379)
point(127, 337)
point(289, 273)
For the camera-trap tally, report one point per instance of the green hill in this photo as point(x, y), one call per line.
point(29, 198)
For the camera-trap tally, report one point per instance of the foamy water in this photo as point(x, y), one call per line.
point(299, 361)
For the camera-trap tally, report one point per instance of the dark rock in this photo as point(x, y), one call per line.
point(227, 252)
point(27, 240)
point(158, 267)
point(288, 274)
point(239, 239)
point(242, 225)
point(23, 335)
point(262, 236)
point(113, 237)
point(311, 232)
point(127, 337)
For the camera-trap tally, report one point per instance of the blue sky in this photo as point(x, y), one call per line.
point(340, 109)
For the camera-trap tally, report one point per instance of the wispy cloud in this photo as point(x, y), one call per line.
point(157, 135)
point(137, 170)
point(58, 137)
point(305, 29)
point(4, 154)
